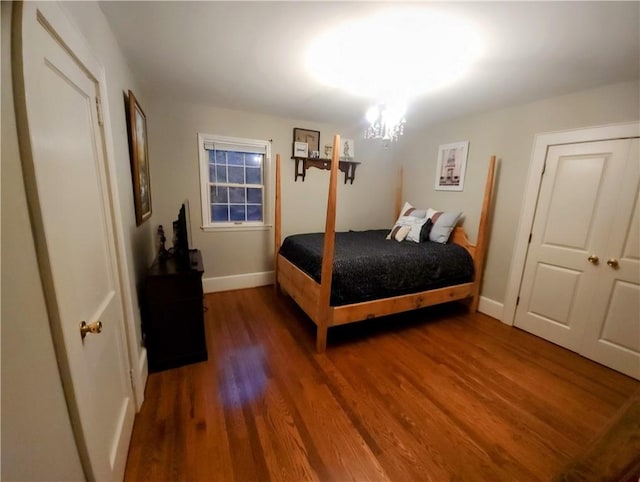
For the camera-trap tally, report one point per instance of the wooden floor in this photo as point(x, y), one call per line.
point(436, 394)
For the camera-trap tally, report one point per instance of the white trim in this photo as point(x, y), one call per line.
point(238, 227)
point(236, 282)
point(140, 375)
point(490, 307)
point(541, 144)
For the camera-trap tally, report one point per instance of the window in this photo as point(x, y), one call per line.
point(232, 174)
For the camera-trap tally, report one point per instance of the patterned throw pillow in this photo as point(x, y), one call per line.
point(408, 226)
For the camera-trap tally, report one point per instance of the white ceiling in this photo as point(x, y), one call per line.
point(249, 55)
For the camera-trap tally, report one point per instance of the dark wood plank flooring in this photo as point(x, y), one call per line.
point(436, 394)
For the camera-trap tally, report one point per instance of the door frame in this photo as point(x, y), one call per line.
point(25, 18)
point(541, 145)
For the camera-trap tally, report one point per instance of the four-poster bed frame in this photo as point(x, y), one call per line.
point(314, 297)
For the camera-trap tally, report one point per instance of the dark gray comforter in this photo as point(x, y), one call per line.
point(367, 266)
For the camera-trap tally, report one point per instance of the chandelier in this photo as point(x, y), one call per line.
point(385, 122)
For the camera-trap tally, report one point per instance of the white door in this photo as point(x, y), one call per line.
point(69, 199)
point(613, 337)
point(583, 218)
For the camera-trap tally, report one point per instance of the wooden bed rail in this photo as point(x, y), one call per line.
point(483, 232)
point(328, 251)
point(277, 222)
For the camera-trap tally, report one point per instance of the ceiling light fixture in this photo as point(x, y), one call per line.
point(385, 122)
point(393, 56)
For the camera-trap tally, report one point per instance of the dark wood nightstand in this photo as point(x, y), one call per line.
point(173, 313)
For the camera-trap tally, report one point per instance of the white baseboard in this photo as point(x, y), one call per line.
point(237, 282)
point(140, 378)
point(490, 307)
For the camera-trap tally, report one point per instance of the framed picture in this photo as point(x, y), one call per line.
point(312, 138)
point(328, 151)
point(452, 164)
point(346, 150)
point(300, 149)
point(139, 152)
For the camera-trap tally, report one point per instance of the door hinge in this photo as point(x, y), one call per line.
point(133, 385)
point(517, 301)
point(99, 110)
point(530, 236)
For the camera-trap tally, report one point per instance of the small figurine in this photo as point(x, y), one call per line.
point(162, 251)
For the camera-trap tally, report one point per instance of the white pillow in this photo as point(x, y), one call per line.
point(443, 224)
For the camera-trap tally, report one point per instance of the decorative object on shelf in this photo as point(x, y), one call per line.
point(386, 122)
point(139, 151)
point(312, 138)
point(328, 151)
point(314, 154)
point(162, 250)
point(451, 167)
point(346, 150)
point(300, 149)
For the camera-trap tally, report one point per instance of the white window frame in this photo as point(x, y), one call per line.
point(205, 191)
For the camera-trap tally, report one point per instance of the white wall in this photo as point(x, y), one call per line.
point(173, 128)
point(509, 134)
point(37, 442)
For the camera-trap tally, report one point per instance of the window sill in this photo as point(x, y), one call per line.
point(236, 227)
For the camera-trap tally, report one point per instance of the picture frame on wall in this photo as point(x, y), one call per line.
point(139, 154)
point(312, 138)
point(451, 166)
point(300, 149)
point(347, 150)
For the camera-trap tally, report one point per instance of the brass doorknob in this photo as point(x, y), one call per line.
point(613, 263)
point(593, 259)
point(95, 327)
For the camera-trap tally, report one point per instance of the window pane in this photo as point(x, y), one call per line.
point(254, 175)
point(237, 212)
point(212, 156)
point(235, 158)
point(212, 173)
point(221, 173)
point(254, 195)
point(220, 157)
point(253, 159)
point(236, 174)
point(236, 195)
point(219, 213)
point(219, 194)
point(254, 212)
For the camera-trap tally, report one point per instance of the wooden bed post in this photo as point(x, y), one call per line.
point(324, 299)
point(277, 229)
point(481, 242)
point(399, 188)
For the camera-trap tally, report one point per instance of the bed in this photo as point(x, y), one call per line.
point(330, 275)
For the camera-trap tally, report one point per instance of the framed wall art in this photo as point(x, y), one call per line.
point(139, 152)
point(312, 138)
point(300, 149)
point(347, 151)
point(451, 167)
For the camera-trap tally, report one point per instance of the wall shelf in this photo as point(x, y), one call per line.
point(304, 163)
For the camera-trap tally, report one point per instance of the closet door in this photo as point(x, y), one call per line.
point(612, 333)
point(570, 233)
